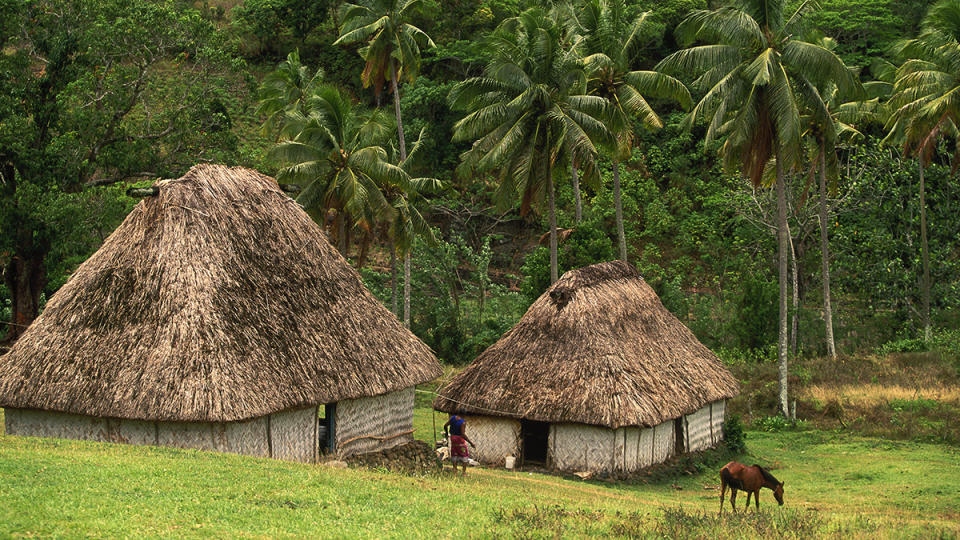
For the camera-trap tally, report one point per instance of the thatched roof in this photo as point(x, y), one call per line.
point(218, 299)
point(597, 348)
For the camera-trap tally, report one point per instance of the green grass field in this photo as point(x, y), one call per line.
point(836, 486)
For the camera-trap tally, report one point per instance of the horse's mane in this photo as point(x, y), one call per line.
point(766, 474)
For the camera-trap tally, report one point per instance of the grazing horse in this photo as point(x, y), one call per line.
point(750, 479)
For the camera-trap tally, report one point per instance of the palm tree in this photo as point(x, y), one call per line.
point(335, 152)
point(753, 71)
point(926, 104)
point(836, 124)
point(528, 111)
point(286, 89)
point(391, 50)
point(613, 36)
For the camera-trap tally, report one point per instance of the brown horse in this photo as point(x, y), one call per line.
point(750, 479)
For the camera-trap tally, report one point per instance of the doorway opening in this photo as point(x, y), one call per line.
point(535, 437)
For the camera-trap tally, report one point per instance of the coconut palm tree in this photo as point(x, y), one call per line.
point(613, 36)
point(528, 111)
point(285, 89)
point(926, 105)
point(391, 51)
point(753, 71)
point(335, 151)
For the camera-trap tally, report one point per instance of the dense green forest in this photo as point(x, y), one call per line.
point(462, 154)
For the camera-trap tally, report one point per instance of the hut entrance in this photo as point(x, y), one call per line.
point(534, 437)
point(679, 428)
point(326, 428)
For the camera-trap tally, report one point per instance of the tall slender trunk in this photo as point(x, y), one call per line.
point(406, 289)
point(578, 203)
point(825, 257)
point(393, 277)
point(403, 157)
point(618, 203)
point(795, 305)
point(782, 256)
point(925, 254)
point(341, 233)
point(554, 271)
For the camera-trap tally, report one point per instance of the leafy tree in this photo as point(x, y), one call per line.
point(926, 103)
point(753, 69)
point(526, 111)
point(391, 50)
point(94, 93)
point(613, 35)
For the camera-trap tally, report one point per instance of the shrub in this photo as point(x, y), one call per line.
point(733, 435)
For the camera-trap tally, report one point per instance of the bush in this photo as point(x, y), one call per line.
point(733, 435)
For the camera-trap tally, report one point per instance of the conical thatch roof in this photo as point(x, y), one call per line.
point(218, 299)
point(597, 348)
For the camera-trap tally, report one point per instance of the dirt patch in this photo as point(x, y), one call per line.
point(415, 456)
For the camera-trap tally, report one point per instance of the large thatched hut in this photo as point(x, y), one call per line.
point(596, 376)
point(217, 316)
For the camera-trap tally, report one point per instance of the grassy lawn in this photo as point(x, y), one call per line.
point(836, 486)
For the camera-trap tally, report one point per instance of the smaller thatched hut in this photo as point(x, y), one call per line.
point(217, 316)
point(596, 376)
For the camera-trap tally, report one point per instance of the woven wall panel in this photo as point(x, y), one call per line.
point(248, 437)
point(496, 438)
point(371, 417)
point(579, 447)
point(631, 448)
point(718, 408)
point(197, 435)
point(293, 434)
point(663, 442)
point(29, 423)
point(645, 449)
point(697, 430)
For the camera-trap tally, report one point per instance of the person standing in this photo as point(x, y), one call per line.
point(456, 431)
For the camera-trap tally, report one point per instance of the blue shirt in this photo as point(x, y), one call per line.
point(456, 426)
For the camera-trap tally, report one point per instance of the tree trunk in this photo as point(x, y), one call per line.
point(925, 254)
point(578, 203)
point(618, 203)
point(364, 249)
point(406, 289)
point(795, 306)
point(396, 109)
point(782, 256)
point(24, 277)
point(341, 233)
point(825, 257)
point(393, 278)
point(554, 271)
point(403, 157)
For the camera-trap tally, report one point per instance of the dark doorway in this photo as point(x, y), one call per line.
point(535, 437)
point(679, 428)
point(326, 428)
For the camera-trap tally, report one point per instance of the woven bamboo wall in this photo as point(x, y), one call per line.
point(247, 437)
point(579, 447)
point(717, 411)
point(663, 441)
point(697, 428)
point(496, 438)
point(374, 423)
point(293, 435)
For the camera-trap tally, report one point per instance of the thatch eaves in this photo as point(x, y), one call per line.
point(219, 299)
point(597, 347)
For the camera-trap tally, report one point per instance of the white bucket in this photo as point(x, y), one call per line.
point(509, 462)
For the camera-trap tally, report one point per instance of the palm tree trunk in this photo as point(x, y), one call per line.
point(403, 156)
point(825, 257)
point(618, 203)
point(782, 256)
point(795, 307)
point(342, 233)
point(578, 203)
point(393, 276)
point(925, 254)
point(554, 272)
point(406, 289)
point(396, 110)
